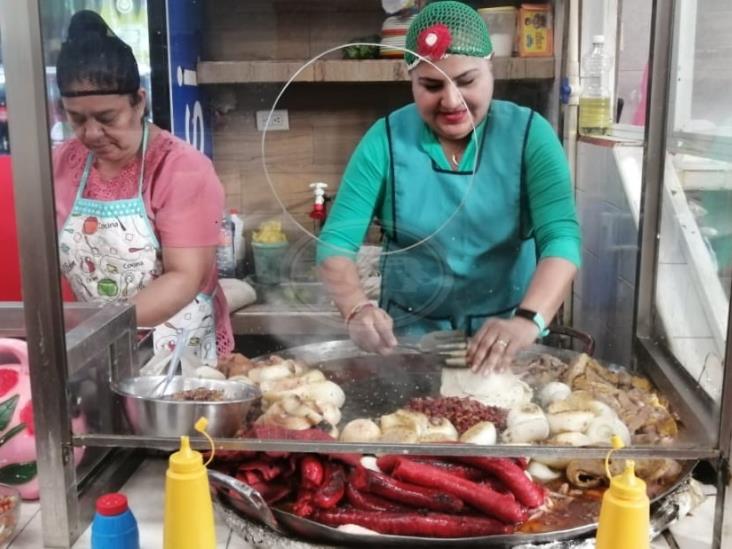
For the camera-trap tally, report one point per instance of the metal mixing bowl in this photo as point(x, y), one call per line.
point(163, 416)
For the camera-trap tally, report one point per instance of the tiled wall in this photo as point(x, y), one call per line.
point(633, 50)
point(608, 192)
point(604, 291)
point(326, 122)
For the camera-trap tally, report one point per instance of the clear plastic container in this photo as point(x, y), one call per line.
point(501, 23)
point(9, 512)
point(225, 252)
point(269, 261)
point(595, 110)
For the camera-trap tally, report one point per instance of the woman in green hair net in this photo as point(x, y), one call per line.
point(473, 193)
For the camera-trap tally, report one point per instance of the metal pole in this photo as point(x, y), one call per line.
point(723, 504)
point(653, 162)
point(34, 205)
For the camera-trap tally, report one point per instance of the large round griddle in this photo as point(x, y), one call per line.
point(376, 385)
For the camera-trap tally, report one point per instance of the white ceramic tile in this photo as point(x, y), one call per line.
point(629, 162)
point(679, 303)
point(702, 358)
point(31, 537)
point(695, 530)
point(25, 534)
point(670, 249)
point(591, 162)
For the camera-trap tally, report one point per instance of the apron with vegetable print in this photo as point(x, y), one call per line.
point(109, 252)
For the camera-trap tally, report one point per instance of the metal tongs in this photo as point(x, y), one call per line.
point(159, 389)
point(249, 501)
point(450, 344)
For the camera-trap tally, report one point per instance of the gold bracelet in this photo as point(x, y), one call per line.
point(357, 309)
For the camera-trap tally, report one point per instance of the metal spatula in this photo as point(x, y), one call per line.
point(450, 344)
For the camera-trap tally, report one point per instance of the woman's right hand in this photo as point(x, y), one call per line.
point(372, 329)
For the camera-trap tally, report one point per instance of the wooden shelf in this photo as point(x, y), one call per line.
point(367, 70)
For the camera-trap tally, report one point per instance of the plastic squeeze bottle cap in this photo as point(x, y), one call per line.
point(185, 460)
point(625, 512)
point(114, 526)
point(112, 504)
point(626, 485)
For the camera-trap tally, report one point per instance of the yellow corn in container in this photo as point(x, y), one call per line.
point(189, 521)
point(625, 512)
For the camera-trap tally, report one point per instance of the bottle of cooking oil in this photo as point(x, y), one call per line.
point(595, 112)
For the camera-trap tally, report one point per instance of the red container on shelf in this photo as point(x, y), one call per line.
point(10, 272)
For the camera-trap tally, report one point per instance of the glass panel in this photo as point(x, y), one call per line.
point(702, 102)
point(127, 18)
point(633, 61)
point(695, 259)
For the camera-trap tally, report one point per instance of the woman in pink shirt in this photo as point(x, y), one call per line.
point(138, 209)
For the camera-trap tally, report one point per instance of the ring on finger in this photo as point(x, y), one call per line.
point(502, 342)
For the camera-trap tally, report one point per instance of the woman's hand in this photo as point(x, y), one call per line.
point(493, 347)
point(372, 330)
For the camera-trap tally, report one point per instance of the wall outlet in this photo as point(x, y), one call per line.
point(280, 120)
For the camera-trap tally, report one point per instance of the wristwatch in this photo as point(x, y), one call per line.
point(534, 317)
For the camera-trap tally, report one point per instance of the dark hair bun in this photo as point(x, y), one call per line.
point(86, 24)
point(95, 58)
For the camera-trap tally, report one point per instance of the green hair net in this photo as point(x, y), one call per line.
point(447, 27)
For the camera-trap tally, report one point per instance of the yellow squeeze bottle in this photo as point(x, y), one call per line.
point(189, 521)
point(625, 512)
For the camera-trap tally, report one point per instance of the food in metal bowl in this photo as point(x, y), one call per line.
point(200, 394)
point(224, 403)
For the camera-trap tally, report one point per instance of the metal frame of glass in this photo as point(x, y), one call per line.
point(657, 143)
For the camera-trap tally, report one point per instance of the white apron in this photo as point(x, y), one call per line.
point(109, 252)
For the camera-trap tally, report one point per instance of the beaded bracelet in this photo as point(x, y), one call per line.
point(357, 309)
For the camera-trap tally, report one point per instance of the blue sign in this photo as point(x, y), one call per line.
point(189, 116)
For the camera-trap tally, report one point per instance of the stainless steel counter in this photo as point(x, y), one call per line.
point(289, 309)
point(264, 319)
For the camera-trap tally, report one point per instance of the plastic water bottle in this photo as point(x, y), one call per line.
point(595, 112)
point(225, 253)
point(114, 526)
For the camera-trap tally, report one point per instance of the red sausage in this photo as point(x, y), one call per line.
point(266, 467)
point(303, 506)
point(484, 498)
point(369, 502)
point(402, 492)
point(333, 488)
point(526, 491)
point(312, 472)
point(435, 525)
point(388, 462)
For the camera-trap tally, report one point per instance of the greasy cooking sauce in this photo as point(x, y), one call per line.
point(566, 513)
point(581, 510)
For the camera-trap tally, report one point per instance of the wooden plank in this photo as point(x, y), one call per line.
point(245, 72)
point(367, 70)
point(376, 70)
